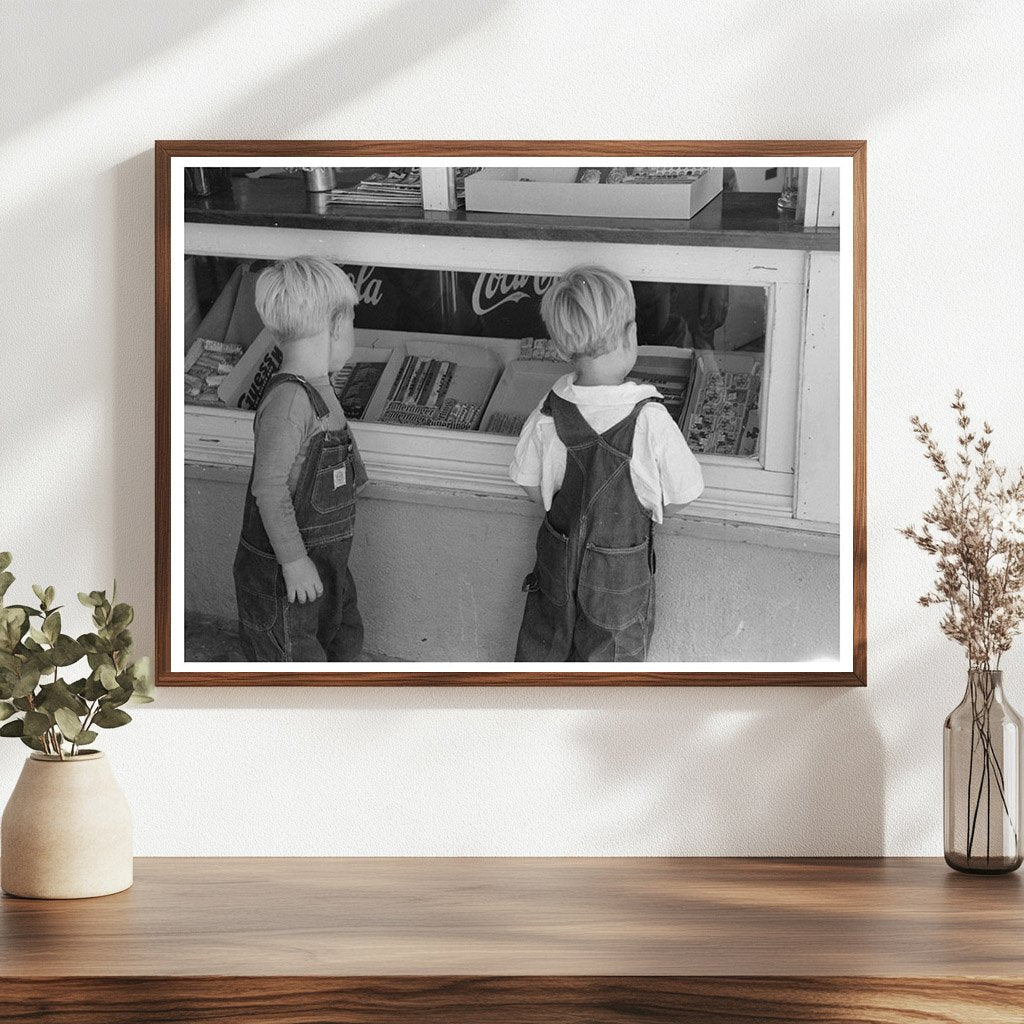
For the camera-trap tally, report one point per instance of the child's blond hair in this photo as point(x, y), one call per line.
point(299, 297)
point(587, 311)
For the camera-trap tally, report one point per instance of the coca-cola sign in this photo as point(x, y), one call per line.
point(494, 290)
point(369, 288)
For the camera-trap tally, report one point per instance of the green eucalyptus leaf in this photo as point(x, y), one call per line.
point(121, 640)
point(107, 676)
point(13, 624)
point(6, 579)
point(31, 741)
point(94, 644)
point(59, 695)
point(122, 616)
point(38, 636)
point(142, 678)
point(111, 718)
point(9, 662)
point(115, 698)
point(69, 724)
point(40, 593)
point(22, 703)
point(6, 710)
point(36, 723)
point(89, 600)
point(27, 681)
point(14, 728)
point(66, 650)
point(29, 611)
point(94, 689)
point(50, 594)
point(141, 698)
point(86, 736)
point(5, 559)
point(51, 626)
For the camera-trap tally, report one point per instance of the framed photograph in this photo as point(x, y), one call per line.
point(510, 413)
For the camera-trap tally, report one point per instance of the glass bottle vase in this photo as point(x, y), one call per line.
point(981, 773)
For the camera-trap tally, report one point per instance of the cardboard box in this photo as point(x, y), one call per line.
point(670, 370)
point(522, 386)
point(245, 384)
point(554, 190)
point(435, 383)
point(358, 381)
point(723, 412)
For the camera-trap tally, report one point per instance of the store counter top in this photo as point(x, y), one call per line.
point(595, 940)
point(739, 219)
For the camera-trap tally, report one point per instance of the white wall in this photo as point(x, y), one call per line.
point(86, 88)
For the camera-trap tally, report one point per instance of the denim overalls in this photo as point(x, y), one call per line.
point(591, 595)
point(330, 628)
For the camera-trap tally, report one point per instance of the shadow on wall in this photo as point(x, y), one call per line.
point(748, 771)
point(694, 771)
point(907, 40)
point(382, 46)
point(78, 29)
point(397, 37)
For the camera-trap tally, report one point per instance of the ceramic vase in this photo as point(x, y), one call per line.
point(66, 831)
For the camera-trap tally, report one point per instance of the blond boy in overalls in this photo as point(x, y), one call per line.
point(605, 459)
point(295, 594)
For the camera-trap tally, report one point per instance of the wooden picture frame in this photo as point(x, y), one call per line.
point(457, 233)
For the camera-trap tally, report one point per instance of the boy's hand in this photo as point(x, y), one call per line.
point(301, 580)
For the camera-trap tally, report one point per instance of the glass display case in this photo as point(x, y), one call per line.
point(462, 351)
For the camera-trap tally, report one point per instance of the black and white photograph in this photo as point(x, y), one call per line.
point(519, 414)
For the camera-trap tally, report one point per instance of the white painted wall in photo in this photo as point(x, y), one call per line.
point(510, 771)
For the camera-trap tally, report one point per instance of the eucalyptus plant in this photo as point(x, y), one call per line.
point(46, 712)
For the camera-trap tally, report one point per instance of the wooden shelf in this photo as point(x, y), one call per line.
point(735, 219)
point(279, 941)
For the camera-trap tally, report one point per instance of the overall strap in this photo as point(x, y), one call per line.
point(570, 425)
point(620, 435)
point(574, 431)
point(320, 409)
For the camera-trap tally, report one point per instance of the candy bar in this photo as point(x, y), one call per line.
point(221, 347)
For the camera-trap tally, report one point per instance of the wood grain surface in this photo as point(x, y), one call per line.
point(165, 150)
point(519, 1000)
point(716, 940)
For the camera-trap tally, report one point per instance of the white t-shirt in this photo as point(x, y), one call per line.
point(663, 469)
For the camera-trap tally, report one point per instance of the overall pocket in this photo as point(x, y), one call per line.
point(552, 556)
point(615, 585)
point(334, 486)
point(257, 580)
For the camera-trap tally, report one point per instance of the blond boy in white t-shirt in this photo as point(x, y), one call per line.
point(605, 459)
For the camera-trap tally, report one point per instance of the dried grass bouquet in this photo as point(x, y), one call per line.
point(975, 529)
